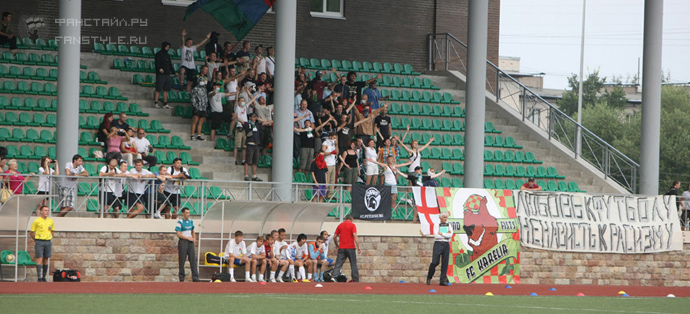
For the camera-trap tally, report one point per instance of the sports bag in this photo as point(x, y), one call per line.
point(66, 275)
point(224, 277)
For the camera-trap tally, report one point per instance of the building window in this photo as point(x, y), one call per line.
point(327, 8)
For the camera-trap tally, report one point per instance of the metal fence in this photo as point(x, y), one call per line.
point(448, 53)
point(91, 198)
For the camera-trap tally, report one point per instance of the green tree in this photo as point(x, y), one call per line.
point(615, 97)
point(604, 121)
point(590, 88)
point(674, 155)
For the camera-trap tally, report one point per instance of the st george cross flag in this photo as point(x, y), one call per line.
point(236, 16)
point(427, 208)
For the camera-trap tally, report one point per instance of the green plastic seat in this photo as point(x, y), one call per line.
point(196, 174)
point(499, 141)
point(25, 152)
point(499, 184)
point(489, 184)
point(553, 173)
point(510, 142)
point(38, 120)
point(24, 259)
point(510, 171)
point(488, 141)
point(179, 143)
point(541, 172)
point(490, 128)
point(500, 171)
point(458, 169)
point(520, 171)
point(161, 157)
point(510, 185)
point(574, 187)
point(187, 159)
point(563, 186)
point(498, 155)
point(488, 155)
point(446, 154)
point(457, 183)
point(529, 157)
point(458, 154)
point(489, 170)
point(531, 171)
point(47, 137)
point(12, 118)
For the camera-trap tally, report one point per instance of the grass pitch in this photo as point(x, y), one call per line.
point(328, 303)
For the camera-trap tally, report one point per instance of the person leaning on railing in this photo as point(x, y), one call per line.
point(44, 173)
point(13, 179)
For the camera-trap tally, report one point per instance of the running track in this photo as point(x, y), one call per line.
point(330, 288)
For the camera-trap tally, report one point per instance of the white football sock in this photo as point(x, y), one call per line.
point(232, 271)
point(301, 272)
point(291, 270)
point(246, 275)
point(273, 275)
point(261, 277)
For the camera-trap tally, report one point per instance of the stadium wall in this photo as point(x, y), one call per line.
point(146, 250)
point(372, 31)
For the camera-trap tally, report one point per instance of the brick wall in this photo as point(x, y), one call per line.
point(371, 31)
point(153, 257)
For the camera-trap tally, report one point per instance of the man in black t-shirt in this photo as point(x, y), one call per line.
point(121, 122)
point(383, 125)
point(356, 87)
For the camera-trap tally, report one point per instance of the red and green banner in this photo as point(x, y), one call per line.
point(485, 247)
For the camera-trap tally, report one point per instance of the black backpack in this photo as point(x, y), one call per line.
point(66, 275)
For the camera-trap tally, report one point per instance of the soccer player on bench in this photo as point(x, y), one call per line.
point(257, 254)
point(299, 249)
point(317, 257)
point(280, 250)
point(236, 255)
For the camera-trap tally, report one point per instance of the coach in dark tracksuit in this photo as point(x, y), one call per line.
point(185, 246)
point(441, 252)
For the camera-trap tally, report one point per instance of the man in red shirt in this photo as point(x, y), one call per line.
point(531, 185)
point(346, 240)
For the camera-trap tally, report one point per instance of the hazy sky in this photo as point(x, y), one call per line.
point(545, 34)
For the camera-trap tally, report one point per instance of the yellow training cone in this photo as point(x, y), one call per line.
point(489, 294)
point(621, 292)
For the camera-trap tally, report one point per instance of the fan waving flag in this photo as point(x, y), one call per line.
point(427, 208)
point(236, 16)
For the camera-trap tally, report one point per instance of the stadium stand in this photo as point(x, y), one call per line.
point(425, 103)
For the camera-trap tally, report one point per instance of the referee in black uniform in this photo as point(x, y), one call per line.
point(441, 251)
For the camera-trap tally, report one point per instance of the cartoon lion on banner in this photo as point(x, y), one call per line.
point(479, 225)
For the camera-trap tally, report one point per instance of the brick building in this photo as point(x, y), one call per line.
point(382, 31)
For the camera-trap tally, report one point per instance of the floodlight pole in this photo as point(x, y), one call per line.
point(651, 97)
point(578, 135)
point(69, 30)
point(476, 93)
point(286, 30)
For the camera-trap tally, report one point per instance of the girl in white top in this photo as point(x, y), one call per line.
point(44, 173)
point(415, 153)
point(390, 169)
point(372, 168)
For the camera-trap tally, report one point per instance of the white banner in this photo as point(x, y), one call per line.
point(578, 222)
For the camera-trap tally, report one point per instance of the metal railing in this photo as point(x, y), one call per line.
point(90, 199)
point(448, 53)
